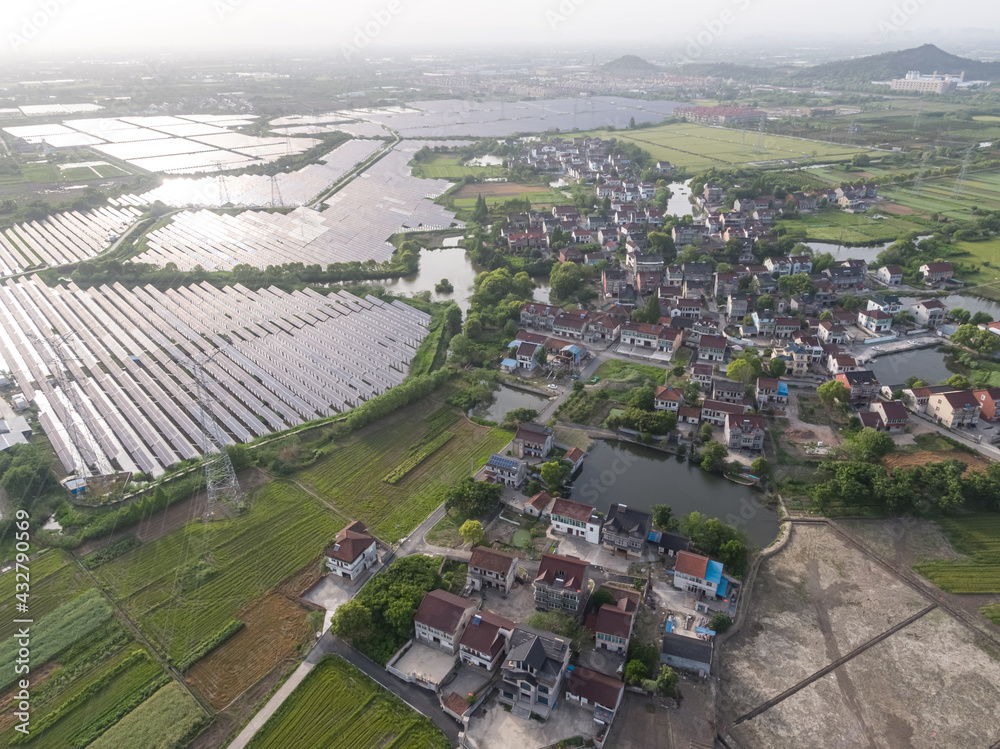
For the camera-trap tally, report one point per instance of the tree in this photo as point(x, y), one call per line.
point(473, 498)
point(541, 356)
point(979, 340)
point(765, 301)
point(553, 474)
point(760, 468)
point(666, 681)
point(961, 315)
point(635, 672)
point(642, 398)
point(650, 312)
point(473, 327)
point(663, 517)
point(473, 533)
point(874, 444)
point(352, 621)
point(959, 382)
point(480, 213)
point(741, 371)
point(720, 623)
point(981, 318)
point(826, 316)
point(518, 416)
point(706, 432)
point(748, 320)
point(453, 319)
point(832, 392)
point(602, 597)
point(733, 554)
point(777, 367)
point(713, 457)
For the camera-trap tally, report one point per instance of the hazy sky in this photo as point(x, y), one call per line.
point(43, 28)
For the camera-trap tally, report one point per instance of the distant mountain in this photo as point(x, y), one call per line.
point(629, 65)
point(926, 59)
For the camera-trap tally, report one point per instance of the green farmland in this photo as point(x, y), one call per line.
point(856, 228)
point(699, 147)
point(446, 166)
point(938, 195)
point(337, 705)
point(185, 588)
point(167, 719)
point(979, 537)
point(352, 476)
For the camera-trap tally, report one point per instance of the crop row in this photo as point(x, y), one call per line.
point(400, 472)
point(54, 579)
point(962, 577)
point(167, 719)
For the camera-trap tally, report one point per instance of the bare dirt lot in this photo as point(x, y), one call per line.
point(644, 722)
point(928, 685)
point(923, 457)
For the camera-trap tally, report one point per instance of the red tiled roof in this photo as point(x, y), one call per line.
point(613, 621)
point(694, 565)
point(595, 687)
point(573, 571)
point(350, 543)
point(712, 342)
point(442, 610)
point(767, 383)
point(689, 412)
point(938, 267)
point(568, 508)
point(893, 410)
point(668, 394)
point(540, 501)
point(482, 637)
point(573, 455)
point(486, 558)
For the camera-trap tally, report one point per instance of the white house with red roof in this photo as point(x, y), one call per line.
point(352, 552)
point(668, 399)
point(485, 640)
point(693, 572)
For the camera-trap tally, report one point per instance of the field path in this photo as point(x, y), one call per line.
point(257, 722)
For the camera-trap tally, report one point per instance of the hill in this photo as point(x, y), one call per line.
point(629, 65)
point(926, 59)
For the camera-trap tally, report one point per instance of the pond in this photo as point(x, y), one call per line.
point(487, 160)
point(868, 254)
point(679, 203)
point(929, 365)
point(507, 399)
point(641, 477)
point(451, 263)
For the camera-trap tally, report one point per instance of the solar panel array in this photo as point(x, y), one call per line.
point(174, 145)
point(66, 237)
point(295, 188)
point(271, 360)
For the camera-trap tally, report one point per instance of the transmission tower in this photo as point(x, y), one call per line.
point(276, 199)
point(743, 141)
point(916, 117)
point(759, 145)
point(960, 181)
point(850, 134)
point(918, 184)
point(223, 188)
point(220, 477)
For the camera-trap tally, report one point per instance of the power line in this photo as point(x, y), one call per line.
point(960, 181)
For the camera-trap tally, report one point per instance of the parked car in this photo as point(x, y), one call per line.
point(553, 387)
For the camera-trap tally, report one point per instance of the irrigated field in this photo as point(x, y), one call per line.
point(979, 537)
point(446, 166)
point(186, 587)
point(337, 705)
point(700, 147)
point(352, 476)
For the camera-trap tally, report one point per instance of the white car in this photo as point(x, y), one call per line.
point(876, 348)
point(553, 387)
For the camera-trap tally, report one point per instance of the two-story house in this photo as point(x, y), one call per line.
point(875, 321)
point(770, 391)
point(693, 572)
point(668, 399)
point(764, 321)
point(575, 519)
point(831, 332)
point(726, 284)
point(737, 306)
point(639, 334)
point(744, 432)
point(561, 584)
point(712, 348)
point(503, 470)
point(613, 624)
point(886, 302)
point(626, 530)
point(936, 273)
point(702, 374)
point(532, 441)
point(786, 327)
point(728, 391)
point(492, 568)
point(890, 275)
point(539, 315)
point(353, 551)
point(441, 618)
point(862, 384)
point(929, 312)
point(989, 404)
point(715, 412)
point(588, 688)
point(533, 672)
point(892, 414)
point(485, 640)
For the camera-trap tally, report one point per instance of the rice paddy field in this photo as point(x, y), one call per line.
point(699, 147)
point(352, 475)
point(446, 166)
point(938, 195)
point(978, 536)
point(337, 705)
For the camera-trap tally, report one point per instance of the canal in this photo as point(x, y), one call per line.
point(639, 476)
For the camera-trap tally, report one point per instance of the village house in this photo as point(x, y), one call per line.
point(715, 412)
point(892, 414)
point(625, 530)
point(641, 334)
point(712, 348)
point(670, 339)
point(796, 358)
point(728, 391)
point(831, 332)
point(613, 622)
point(612, 280)
point(875, 321)
point(890, 275)
point(539, 505)
point(571, 325)
point(503, 470)
point(689, 415)
point(862, 385)
point(989, 404)
point(936, 273)
point(744, 432)
point(929, 313)
point(737, 306)
point(688, 653)
point(885, 303)
point(764, 321)
point(702, 374)
point(533, 671)
point(956, 409)
point(353, 551)
point(699, 574)
point(668, 399)
point(539, 315)
point(491, 568)
point(786, 327)
point(726, 284)
point(575, 519)
point(770, 391)
point(532, 441)
point(587, 689)
point(526, 356)
point(838, 363)
point(441, 619)
point(485, 640)
point(561, 584)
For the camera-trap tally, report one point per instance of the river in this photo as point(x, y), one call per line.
point(641, 477)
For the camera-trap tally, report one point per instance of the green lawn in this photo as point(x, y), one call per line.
point(979, 537)
point(352, 475)
point(699, 146)
point(616, 370)
point(184, 588)
point(446, 166)
point(337, 705)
